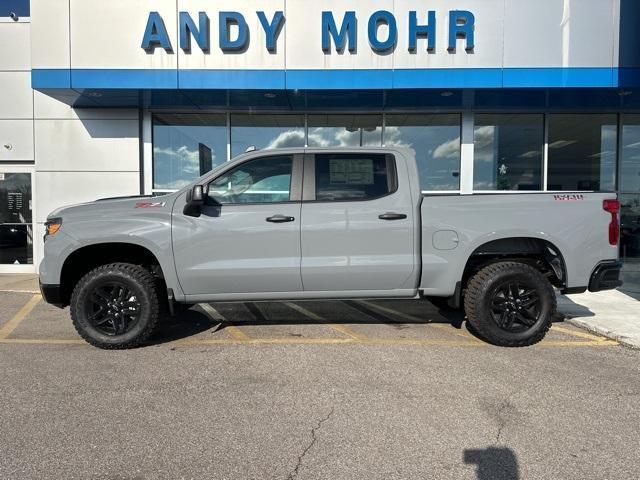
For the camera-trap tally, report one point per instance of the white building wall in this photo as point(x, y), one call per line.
point(75, 155)
point(82, 155)
point(16, 101)
point(16, 96)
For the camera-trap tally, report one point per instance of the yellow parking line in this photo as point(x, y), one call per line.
point(375, 341)
point(320, 341)
point(327, 341)
point(577, 343)
point(235, 332)
point(19, 291)
point(12, 324)
point(447, 328)
point(338, 328)
point(265, 341)
point(50, 341)
point(579, 334)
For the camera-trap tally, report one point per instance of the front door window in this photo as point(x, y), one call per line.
point(16, 230)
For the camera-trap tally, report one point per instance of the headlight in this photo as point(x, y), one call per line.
point(52, 226)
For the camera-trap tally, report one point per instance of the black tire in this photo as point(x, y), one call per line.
point(116, 306)
point(510, 304)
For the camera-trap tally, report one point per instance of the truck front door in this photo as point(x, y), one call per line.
point(358, 225)
point(247, 238)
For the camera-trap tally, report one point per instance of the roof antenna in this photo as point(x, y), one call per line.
point(252, 148)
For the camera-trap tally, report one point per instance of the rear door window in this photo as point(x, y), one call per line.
point(343, 177)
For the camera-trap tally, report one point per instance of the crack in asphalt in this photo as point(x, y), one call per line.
point(294, 473)
point(502, 421)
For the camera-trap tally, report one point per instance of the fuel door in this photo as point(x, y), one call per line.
point(445, 240)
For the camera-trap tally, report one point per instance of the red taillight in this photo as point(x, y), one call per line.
point(613, 207)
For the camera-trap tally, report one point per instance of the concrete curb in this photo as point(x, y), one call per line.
point(597, 329)
point(612, 314)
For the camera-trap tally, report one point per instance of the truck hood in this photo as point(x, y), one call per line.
point(112, 206)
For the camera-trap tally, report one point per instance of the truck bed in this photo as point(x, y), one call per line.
point(454, 226)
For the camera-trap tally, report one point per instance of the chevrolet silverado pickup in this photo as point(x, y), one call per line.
point(307, 223)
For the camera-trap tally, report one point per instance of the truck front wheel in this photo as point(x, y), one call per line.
point(510, 304)
point(116, 306)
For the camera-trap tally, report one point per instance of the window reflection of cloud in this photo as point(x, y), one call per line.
point(483, 139)
point(448, 149)
point(287, 139)
point(393, 137)
point(341, 137)
point(190, 158)
point(188, 166)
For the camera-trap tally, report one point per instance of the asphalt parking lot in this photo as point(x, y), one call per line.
point(312, 390)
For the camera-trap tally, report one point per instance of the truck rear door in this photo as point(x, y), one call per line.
point(358, 224)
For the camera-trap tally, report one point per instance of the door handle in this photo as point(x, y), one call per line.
point(280, 219)
point(392, 216)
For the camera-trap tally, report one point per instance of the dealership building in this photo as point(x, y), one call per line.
point(126, 97)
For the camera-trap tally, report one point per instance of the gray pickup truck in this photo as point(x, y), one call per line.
point(298, 224)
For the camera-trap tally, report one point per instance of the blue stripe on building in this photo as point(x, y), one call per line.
point(327, 79)
point(21, 8)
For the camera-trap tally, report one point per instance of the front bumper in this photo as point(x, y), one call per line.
point(52, 294)
point(606, 276)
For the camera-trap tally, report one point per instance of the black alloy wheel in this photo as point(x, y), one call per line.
point(515, 306)
point(112, 308)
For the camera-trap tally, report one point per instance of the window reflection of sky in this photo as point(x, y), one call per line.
point(508, 151)
point(176, 155)
point(582, 151)
point(630, 161)
point(436, 141)
point(435, 138)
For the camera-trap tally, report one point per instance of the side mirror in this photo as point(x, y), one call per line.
point(195, 200)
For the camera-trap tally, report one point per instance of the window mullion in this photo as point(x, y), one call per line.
point(466, 154)
point(545, 153)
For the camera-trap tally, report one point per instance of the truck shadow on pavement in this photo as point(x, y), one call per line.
point(493, 463)
point(195, 321)
point(183, 325)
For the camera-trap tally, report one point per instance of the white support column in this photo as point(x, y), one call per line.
point(147, 151)
point(545, 153)
point(228, 136)
point(619, 146)
point(466, 154)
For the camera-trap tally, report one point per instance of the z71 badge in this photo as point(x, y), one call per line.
point(150, 204)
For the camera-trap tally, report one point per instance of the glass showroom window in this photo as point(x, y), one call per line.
point(630, 154)
point(630, 235)
point(582, 152)
point(266, 132)
point(630, 198)
point(16, 227)
point(345, 130)
point(508, 152)
point(186, 146)
point(436, 141)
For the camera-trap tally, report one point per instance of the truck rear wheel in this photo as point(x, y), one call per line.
point(116, 306)
point(510, 304)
